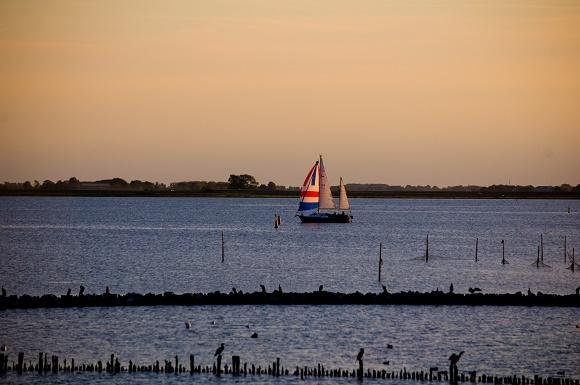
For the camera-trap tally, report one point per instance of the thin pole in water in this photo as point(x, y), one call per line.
point(427, 249)
point(565, 249)
point(476, 246)
point(542, 247)
point(502, 252)
point(223, 251)
point(380, 259)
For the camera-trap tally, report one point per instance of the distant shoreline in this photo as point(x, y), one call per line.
point(295, 194)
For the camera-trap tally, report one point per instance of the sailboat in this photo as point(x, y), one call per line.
point(316, 199)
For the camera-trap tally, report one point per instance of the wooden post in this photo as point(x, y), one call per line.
point(191, 363)
point(2, 363)
point(565, 249)
point(427, 249)
point(542, 247)
point(360, 370)
point(277, 366)
point(20, 362)
point(223, 251)
point(40, 362)
point(476, 246)
point(219, 365)
point(112, 363)
point(502, 252)
point(380, 259)
point(176, 364)
point(236, 365)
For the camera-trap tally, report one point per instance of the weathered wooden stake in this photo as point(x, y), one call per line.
point(565, 250)
point(223, 251)
point(236, 365)
point(542, 247)
point(380, 259)
point(502, 252)
point(277, 366)
point(191, 363)
point(219, 365)
point(427, 249)
point(476, 246)
point(40, 362)
point(20, 363)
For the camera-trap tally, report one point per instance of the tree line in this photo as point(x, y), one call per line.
point(249, 182)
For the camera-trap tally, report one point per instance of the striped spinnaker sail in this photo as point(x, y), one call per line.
point(309, 193)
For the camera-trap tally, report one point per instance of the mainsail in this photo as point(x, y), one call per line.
point(343, 199)
point(309, 192)
point(326, 201)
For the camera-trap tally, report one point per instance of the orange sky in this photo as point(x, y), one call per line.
point(397, 92)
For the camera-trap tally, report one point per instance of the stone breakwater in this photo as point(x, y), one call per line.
point(280, 298)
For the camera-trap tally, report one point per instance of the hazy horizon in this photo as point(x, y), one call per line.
point(398, 92)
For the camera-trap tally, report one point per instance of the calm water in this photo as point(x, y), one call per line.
point(500, 340)
point(173, 244)
point(161, 244)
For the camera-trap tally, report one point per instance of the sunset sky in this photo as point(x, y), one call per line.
point(397, 92)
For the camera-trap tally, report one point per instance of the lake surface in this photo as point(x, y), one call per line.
point(497, 340)
point(49, 244)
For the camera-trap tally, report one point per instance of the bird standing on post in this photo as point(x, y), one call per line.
point(453, 370)
point(219, 350)
point(360, 355)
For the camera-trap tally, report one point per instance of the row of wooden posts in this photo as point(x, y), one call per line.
point(113, 366)
point(538, 262)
